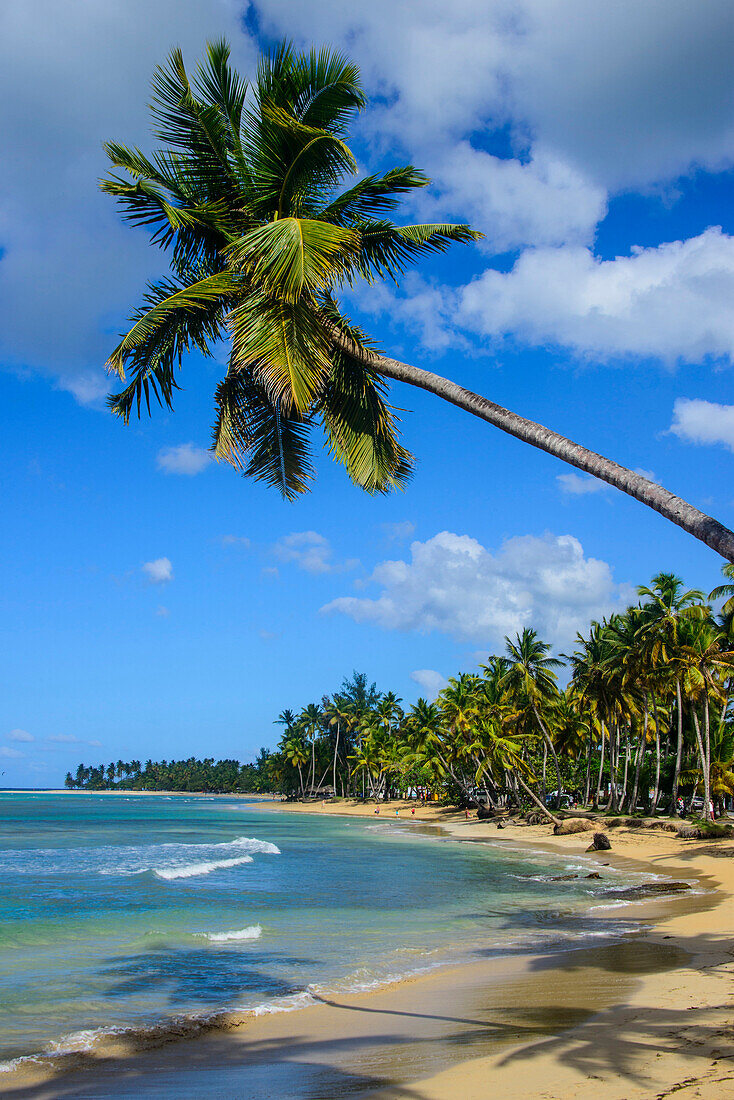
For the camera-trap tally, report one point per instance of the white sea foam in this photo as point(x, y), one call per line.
point(252, 932)
point(191, 870)
point(125, 860)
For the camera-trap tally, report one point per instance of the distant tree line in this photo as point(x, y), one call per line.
point(644, 724)
point(208, 775)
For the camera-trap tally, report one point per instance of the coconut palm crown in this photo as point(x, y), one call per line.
point(254, 198)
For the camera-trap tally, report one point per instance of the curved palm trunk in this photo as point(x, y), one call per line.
point(640, 757)
point(312, 775)
point(551, 746)
point(336, 750)
point(536, 800)
point(597, 796)
point(704, 756)
point(656, 789)
point(626, 771)
point(673, 508)
point(543, 784)
point(613, 766)
point(587, 788)
point(707, 745)
point(679, 749)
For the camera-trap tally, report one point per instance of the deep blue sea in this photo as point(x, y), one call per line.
point(120, 911)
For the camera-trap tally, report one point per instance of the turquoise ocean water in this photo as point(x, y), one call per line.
point(120, 912)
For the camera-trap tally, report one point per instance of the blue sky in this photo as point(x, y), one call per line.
point(156, 604)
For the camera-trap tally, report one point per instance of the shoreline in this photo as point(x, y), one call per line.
point(633, 1021)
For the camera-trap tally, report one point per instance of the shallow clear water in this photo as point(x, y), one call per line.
point(124, 911)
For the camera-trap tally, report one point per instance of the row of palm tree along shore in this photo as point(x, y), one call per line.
point(643, 725)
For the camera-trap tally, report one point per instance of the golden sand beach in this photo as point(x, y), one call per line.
point(648, 1018)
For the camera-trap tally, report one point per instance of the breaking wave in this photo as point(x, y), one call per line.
point(166, 861)
point(252, 932)
point(191, 870)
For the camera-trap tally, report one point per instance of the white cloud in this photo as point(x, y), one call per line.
point(311, 552)
point(65, 739)
point(584, 484)
point(454, 585)
point(540, 202)
point(627, 93)
point(84, 79)
point(674, 302)
point(697, 421)
point(159, 571)
point(186, 458)
point(10, 753)
point(580, 484)
point(20, 735)
point(236, 540)
point(431, 681)
point(162, 612)
point(423, 308)
point(646, 95)
point(403, 529)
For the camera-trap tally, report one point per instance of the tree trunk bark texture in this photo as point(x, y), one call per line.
point(672, 507)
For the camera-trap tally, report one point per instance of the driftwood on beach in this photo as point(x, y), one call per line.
point(573, 825)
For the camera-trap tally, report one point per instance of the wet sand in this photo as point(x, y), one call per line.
point(642, 1018)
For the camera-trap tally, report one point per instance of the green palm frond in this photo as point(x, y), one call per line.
point(388, 249)
point(373, 196)
point(293, 255)
point(361, 427)
point(287, 346)
point(725, 591)
point(165, 301)
point(175, 321)
point(247, 195)
point(259, 440)
point(299, 163)
point(330, 92)
point(183, 122)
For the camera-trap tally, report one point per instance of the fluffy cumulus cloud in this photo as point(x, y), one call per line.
point(468, 90)
point(453, 585)
point(158, 571)
point(185, 458)
point(311, 552)
point(11, 753)
point(672, 302)
point(20, 735)
point(645, 94)
point(61, 739)
point(430, 681)
point(696, 421)
point(542, 201)
point(71, 77)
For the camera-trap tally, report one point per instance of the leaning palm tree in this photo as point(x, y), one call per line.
point(667, 603)
point(245, 197)
point(531, 684)
point(725, 591)
point(294, 750)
